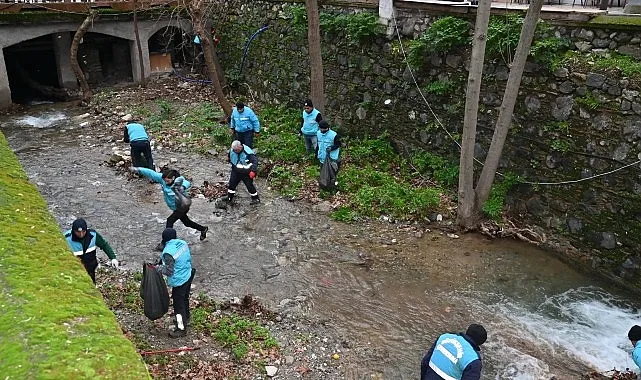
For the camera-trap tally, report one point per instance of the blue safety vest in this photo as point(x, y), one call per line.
point(636, 354)
point(244, 121)
point(167, 190)
point(310, 125)
point(137, 132)
point(179, 250)
point(76, 246)
point(452, 353)
point(326, 140)
point(241, 160)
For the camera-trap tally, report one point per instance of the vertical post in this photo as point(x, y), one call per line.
point(135, 59)
point(5, 90)
point(61, 48)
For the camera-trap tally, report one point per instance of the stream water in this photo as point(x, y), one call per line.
point(389, 292)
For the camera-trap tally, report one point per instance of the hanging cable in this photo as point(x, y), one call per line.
point(246, 49)
point(438, 121)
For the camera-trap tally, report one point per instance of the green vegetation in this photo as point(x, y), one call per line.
point(440, 87)
point(589, 101)
point(547, 51)
point(444, 35)
point(495, 203)
point(436, 167)
point(355, 28)
point(377, 179)
point(610, 63)
point(503, 34)
point(54, 323)
point(241, 335)
point(627, 65)
point(560, 145)
point(630, 21)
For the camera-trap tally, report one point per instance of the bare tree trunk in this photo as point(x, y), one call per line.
point(197, 11)
point(504, 121)
point(143, 80)
point(315, 59)
point(75, 66)
point(467, 215)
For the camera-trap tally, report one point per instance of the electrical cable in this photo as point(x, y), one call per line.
point(438, 121)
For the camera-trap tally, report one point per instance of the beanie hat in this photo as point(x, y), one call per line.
point(79, 225)
point(323, 124)
point(635, 333)
point(308, 103)
point(168, 234)
point(240, 105)
point(477, 333)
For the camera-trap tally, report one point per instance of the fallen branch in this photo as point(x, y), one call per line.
point(508, 229)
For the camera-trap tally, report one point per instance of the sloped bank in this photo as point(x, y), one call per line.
point(53, 322)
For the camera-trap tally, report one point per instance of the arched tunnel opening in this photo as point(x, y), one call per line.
point(29, 64)
point(38, 69)
point(169, 47)
point(105, 60)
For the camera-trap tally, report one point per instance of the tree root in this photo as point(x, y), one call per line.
point(508, 229)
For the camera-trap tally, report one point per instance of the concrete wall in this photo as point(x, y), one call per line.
point(62, 34)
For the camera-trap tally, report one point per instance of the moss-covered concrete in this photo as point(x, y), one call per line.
point(53, 322)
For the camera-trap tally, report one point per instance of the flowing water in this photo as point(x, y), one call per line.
point(388, 292)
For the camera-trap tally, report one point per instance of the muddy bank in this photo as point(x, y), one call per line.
point(375, 293)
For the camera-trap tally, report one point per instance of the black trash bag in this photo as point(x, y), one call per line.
point(153, 291)
point(183, 202)
point(327, 180)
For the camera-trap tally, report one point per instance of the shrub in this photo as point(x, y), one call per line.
point(440, 169)
point(494, 205)
point(444, 35)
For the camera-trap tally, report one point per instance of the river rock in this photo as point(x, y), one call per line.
point(271, 370)
point(127, 117)
point(562, 107)
point(607, 240)
point(574, 225)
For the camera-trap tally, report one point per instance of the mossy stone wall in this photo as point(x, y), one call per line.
point(569, 125)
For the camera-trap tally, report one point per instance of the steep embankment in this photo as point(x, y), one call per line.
point(53, 322)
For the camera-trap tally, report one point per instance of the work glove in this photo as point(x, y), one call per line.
point(134, 170)
point(114, 263)
point(252, 175)
point(328, 149)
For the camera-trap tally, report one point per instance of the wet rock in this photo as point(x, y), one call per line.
point(574, 225)
point(561, 72)
point(607, 240)
point(630, 269)
point(566, 87)
point(532, 103)
point(595, 80)
point(562, 107)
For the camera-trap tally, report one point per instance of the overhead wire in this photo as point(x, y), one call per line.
point(438, 121)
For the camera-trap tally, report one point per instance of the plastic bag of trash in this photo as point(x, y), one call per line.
point(327, 180)
point(183, 201)
point(154, 293)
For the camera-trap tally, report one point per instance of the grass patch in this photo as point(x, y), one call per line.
point(243, 336)
point(54, 323)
